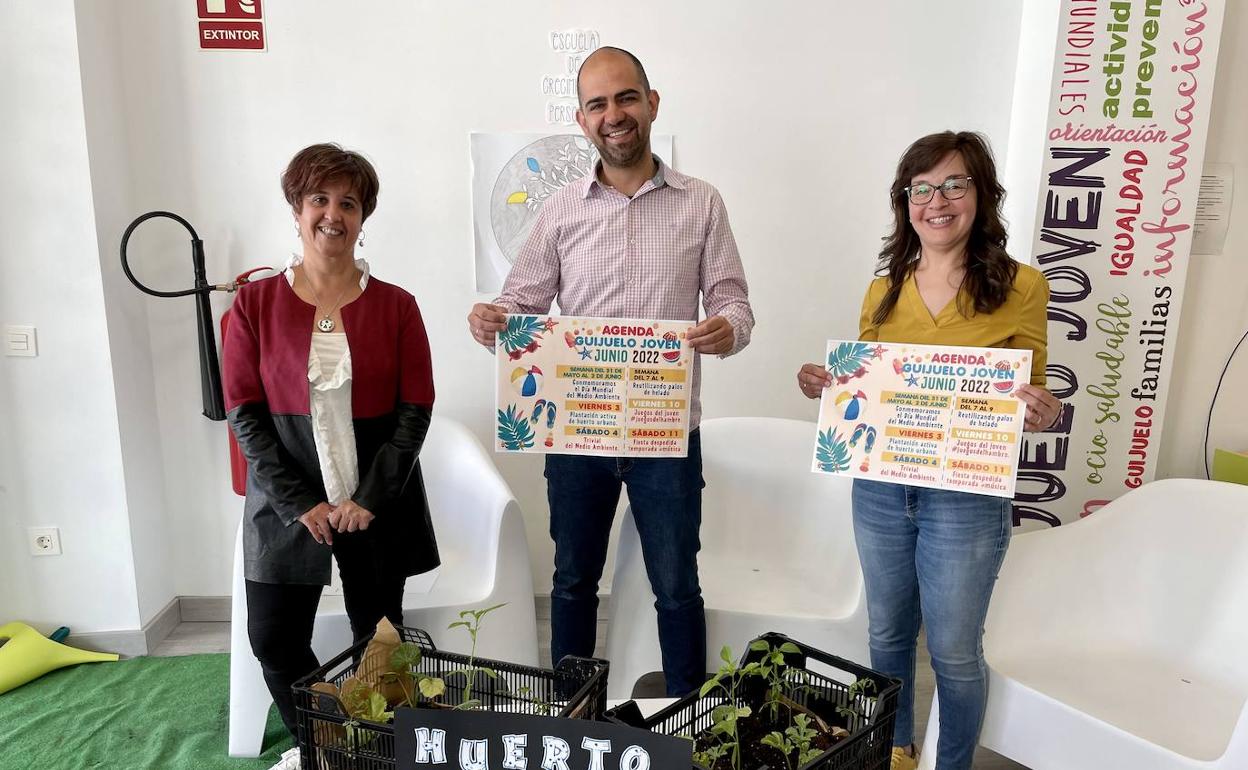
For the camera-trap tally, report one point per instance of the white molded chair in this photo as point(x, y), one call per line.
point(485, 561)
point(778, 553)
point(1121, 640)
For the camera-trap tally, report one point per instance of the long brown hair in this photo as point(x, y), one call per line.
point(990, 271)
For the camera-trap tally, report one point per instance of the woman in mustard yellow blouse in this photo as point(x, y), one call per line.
point(931, 556)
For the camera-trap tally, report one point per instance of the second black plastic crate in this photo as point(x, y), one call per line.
point(575, 689)
point(870, 741)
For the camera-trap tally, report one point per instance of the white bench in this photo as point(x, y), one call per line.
point(1122, 640)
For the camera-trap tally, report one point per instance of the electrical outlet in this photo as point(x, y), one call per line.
point(44, 541)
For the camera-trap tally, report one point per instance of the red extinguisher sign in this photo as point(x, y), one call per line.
point(231, 24)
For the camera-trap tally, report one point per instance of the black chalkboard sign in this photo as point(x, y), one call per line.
point(425, 739)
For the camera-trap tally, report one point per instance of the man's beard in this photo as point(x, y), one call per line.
point(623, 157)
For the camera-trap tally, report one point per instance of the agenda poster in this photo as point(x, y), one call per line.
point(925, 415)
point(593, 386)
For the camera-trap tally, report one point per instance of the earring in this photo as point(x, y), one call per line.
point(298, 232)
point(361, 239)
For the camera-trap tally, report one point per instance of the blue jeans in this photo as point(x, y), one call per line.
point(931, 556)
point(666, 498)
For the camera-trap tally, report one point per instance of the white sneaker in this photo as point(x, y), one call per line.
point(289, 760)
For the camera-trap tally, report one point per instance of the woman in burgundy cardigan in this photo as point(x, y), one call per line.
point(329, 391)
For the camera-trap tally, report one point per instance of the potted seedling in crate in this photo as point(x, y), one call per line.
point(771, 711)
point(470, 620)
point(347, 707)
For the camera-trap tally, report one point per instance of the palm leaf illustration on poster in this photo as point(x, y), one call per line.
point(513, 175)
point(593, 386)
point(924, 415)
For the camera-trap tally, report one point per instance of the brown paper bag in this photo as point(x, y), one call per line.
point(376, 660)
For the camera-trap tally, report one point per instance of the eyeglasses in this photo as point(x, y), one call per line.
point(954, 187)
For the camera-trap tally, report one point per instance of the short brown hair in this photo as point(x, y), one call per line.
point(314, 166)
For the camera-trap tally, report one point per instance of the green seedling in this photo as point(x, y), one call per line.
point(470, 620)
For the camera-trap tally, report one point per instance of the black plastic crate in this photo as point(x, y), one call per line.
point(575, 689)
point(870, 742)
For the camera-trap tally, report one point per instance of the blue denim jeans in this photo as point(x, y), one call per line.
point(931, 556)
point(666, 499)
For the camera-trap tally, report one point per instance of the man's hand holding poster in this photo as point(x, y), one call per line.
point(593, 386)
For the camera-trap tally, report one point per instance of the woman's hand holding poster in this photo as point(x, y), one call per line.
point(924, 415)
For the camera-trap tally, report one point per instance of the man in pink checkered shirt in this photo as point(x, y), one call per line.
point(636, 240)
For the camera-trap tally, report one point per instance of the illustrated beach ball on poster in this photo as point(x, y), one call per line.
point(851, 406)
point(527, 382)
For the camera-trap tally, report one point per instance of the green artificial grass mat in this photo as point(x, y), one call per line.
point(159, 713)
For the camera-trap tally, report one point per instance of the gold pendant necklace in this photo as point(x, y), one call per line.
point(326, 324)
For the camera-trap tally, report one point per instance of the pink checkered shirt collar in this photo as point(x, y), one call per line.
point(663, 175)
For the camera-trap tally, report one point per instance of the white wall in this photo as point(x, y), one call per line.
point(60, 463)
point(127, 321)
point(1215, 305)
point(1029, 115)
point(797, 113)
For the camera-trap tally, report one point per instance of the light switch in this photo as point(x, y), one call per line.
point(20, 341)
